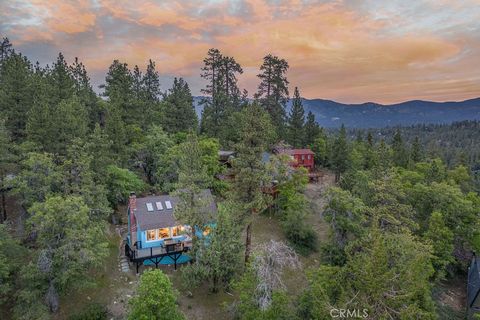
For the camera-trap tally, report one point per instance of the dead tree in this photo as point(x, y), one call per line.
point(270, 260)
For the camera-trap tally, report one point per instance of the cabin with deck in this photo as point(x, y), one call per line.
point(154, 235)
point(300, 157)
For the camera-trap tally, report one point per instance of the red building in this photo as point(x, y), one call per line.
point(302, 157)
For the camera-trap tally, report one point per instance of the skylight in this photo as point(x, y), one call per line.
point(149, 206)
point(168, 204)
point(159, 205)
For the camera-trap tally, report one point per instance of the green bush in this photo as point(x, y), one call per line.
point(94, 311)
point(301, 235)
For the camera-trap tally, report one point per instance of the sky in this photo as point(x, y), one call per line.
point(346, 50)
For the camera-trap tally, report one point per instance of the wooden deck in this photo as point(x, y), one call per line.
point(172, 249)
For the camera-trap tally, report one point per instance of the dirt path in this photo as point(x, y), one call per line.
point(316, 194)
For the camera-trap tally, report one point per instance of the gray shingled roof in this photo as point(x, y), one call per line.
point(162, 218)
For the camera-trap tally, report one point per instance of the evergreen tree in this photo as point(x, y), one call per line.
point(119, 89)
point(441, 239)
point(69, 244)
point(312, 130)
point(416, 154)
point(400, 154)
point(116, 132)
point(296, 120)
point(155, 298)
point(84, 91)
point(340, 154)
point(150, 155)
point(250, 172)
point(192, 180)
point(39, 178)
point(11, 257)
point(54, 126)
point(218, 254)
point(61, 81)
point(6, 49)
point(214, 111)
point(273, 90)
point(370, 157)
point(151, 83)
point(7, 163)
point(16, 94)
point(179, 112)
point(99, 147)
point(384, 156)
point(222, 91)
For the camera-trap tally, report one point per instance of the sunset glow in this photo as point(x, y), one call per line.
point(348, 51)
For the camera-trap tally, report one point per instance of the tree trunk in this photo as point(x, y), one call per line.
point(248, 242)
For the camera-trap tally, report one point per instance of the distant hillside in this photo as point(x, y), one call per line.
point(331, 114)
point(372, 115)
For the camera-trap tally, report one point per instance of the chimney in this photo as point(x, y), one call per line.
point(132, 201)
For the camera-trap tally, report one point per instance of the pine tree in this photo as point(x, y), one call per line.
point(61, 81)
point(214, 111)
point(273, 90)
point(312, 130)
point(296, 120)
point(7, 161)
point(223, 94)
point(69, 243)
point(416, 155)
point(151, 83)
point(250, 172)
point(400, 154)
point(340, 154)
point(370, 157)
point(16, 93)
point(218, 255)
point(179, 112)
point(119, 89)
point(192, 180)
point(39, 178)
point(53, 127)
point(84, 91)
point(6, 49)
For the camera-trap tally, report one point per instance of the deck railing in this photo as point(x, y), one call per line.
point(171, 246)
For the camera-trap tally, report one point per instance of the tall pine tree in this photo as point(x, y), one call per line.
point(250, 173)
point(179, 112)
point(273, 90)
point(296, 121)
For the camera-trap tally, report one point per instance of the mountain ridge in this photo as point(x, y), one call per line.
point(332, 114)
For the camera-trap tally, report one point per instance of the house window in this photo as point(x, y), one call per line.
point(163, 233)
point(308, 157)
point(206, 231)
point(151, 235)
point(175, 231)
point(303, 157)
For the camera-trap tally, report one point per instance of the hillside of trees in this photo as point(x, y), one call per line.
point(402, 218)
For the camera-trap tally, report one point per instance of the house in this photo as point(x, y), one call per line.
point(154, 235)
point(301, 157)
point(473, 288)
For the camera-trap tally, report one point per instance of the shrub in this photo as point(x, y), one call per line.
point(94, 311)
